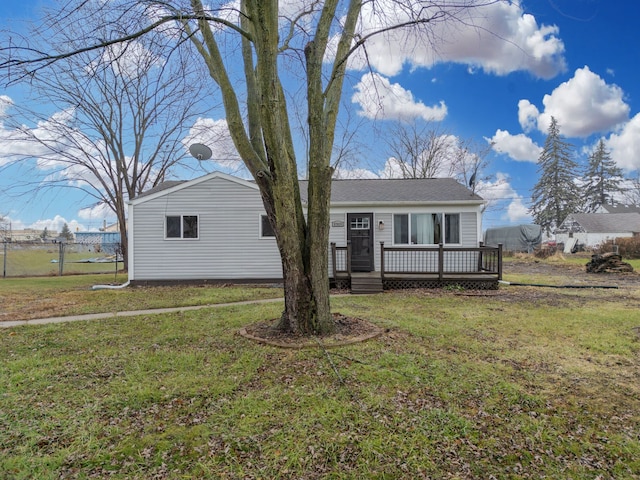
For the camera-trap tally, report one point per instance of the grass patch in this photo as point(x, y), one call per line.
point(38, 297)
point(458, 387)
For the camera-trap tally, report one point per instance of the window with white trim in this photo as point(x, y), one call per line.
point(426, 228)
point(181, 226)
point(266, 231)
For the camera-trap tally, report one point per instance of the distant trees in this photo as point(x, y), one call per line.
point(556, 193)
point(426, 151)
point(561, 189)
point(66, 233)
point(121, 112)
point(603, 179)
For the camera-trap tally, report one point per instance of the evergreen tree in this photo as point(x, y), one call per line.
point(44, 234)
point(602, 179)
point(66, 233)
point(556, 194)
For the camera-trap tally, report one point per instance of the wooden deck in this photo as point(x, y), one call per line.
point(422, 267)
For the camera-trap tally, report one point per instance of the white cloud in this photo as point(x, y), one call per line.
point(500, 194)
point(5, 104)
point(356, 173)
point(215, 135)
point(379, 98)
point(128, 59)
point(19, 142)
point(56, 224)
point(443, 161)
point(582, 105)
point(519, 147)
point(97, 213)
point(528, 115)
point(625, 145)
point(517, 212)
point(499, 38)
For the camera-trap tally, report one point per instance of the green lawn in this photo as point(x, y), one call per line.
point(22, 261)
point(522, 384)
point(39, 297)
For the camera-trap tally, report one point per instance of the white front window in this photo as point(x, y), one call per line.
point(426, 228)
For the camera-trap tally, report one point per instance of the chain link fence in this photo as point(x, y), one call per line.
point(31, 259)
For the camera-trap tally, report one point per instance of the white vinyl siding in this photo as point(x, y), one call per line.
point(228, 247)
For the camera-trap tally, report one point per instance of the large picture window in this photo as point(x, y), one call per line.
point(181, 226)
point(426, 228)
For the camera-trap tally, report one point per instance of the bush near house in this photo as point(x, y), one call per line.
point(627, 247)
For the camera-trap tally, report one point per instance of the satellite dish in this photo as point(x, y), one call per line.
point(200, 151)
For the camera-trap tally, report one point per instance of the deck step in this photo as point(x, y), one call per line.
point(366, 284)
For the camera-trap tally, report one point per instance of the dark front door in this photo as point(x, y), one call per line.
point(360, 234)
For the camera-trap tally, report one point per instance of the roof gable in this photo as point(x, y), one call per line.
point(172, 186)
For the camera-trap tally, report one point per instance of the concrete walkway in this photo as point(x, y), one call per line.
point(132, 313)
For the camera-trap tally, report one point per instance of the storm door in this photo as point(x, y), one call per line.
point(360, 234)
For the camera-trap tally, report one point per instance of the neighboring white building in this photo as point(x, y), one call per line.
point(214, 228)
point(593, 229)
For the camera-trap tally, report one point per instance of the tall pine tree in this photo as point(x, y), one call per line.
point(602, 179)
point(556, 194)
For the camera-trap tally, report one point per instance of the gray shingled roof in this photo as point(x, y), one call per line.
point(372, 191)
point(608, 222)
point(162, 186)
point(621, 208)
point(397, 190)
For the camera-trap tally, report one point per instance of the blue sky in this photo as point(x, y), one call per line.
point(574, 59)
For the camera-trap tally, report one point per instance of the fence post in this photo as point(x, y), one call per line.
point(4, 260)
point(382, 261)
point(60, 258)
point(440, 262)
point(499, 261)
point(333, 260)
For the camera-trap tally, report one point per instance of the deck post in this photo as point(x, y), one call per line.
point(333, 260)
point(499, 261)
point(349, 258)
point(480, 259)
point(440, 262)
point(382, 261)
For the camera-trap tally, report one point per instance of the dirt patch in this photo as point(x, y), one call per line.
point(348, 330)
point(574, 274)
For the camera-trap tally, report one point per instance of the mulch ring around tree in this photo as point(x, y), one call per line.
point(348, 330)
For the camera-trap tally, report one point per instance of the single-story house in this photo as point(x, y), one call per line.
point(593, 229)
point(214, 228)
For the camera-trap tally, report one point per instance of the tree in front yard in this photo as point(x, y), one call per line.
point(556, 193)
point(122, 111)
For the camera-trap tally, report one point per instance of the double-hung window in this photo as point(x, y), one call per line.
point(426, 228)
point(181, 226)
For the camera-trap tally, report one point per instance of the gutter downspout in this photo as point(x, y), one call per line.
point(110, 287)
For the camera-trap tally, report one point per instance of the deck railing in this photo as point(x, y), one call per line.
point(440, 260)
point(341, 260)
